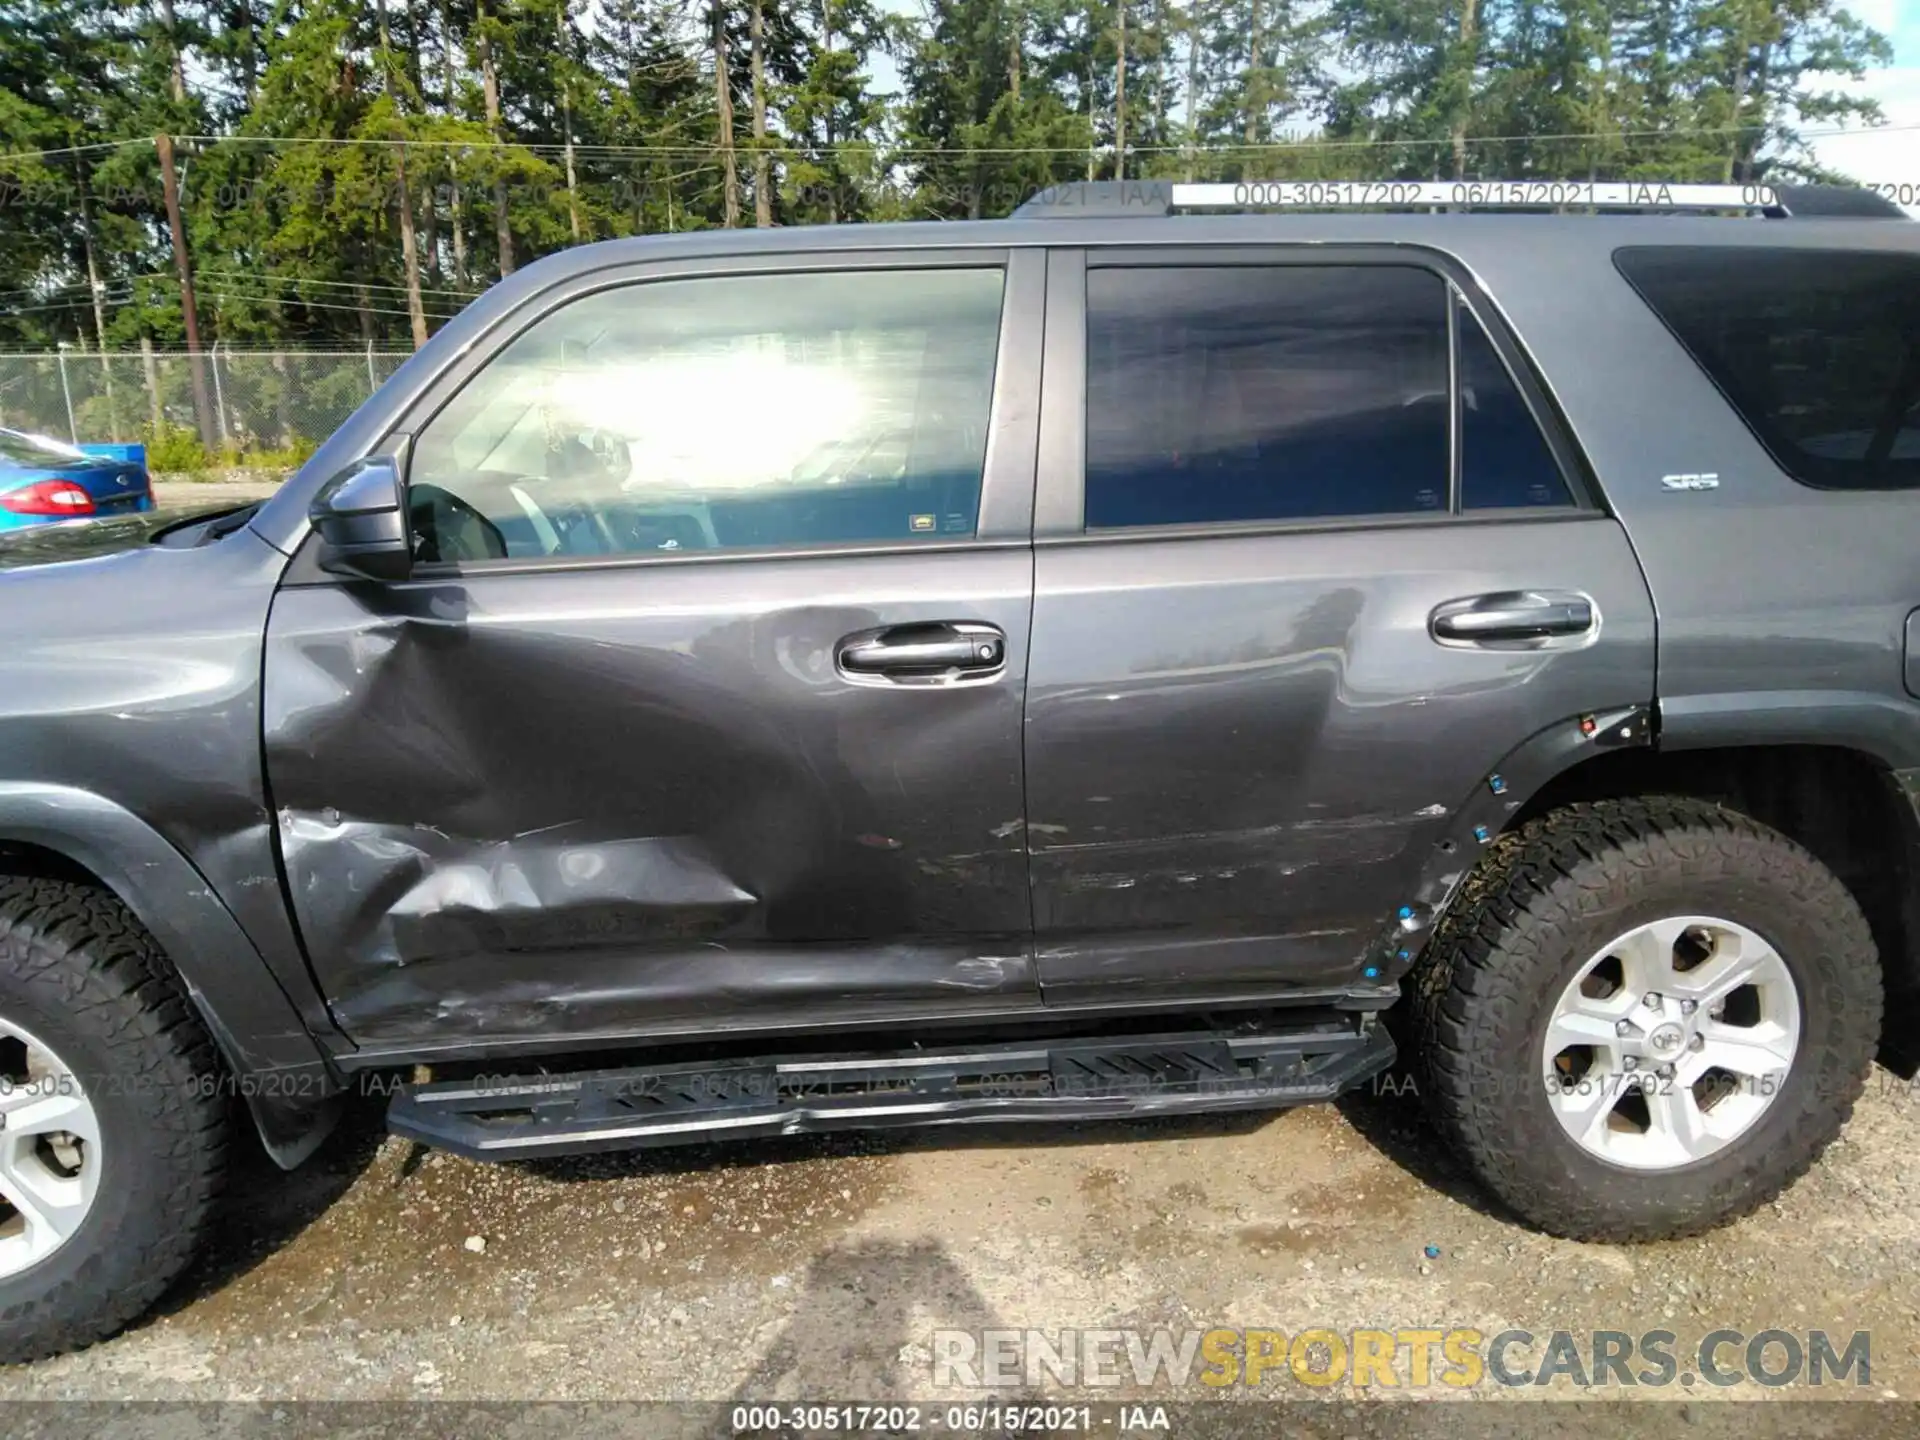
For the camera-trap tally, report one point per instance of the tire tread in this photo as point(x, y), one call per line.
point(78, 949)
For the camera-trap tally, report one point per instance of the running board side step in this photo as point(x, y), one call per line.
point(512, 1118)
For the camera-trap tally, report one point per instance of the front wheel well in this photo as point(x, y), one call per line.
point(1842, 805)
point(17, 857)
point(40, 862)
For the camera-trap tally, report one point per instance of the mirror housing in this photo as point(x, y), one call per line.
point(361, 517)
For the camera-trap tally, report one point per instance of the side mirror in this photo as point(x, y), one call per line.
point(361, 516)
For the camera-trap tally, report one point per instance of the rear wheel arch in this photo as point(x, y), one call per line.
point(1853, 810)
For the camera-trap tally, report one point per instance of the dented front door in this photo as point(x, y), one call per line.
point(527, 800)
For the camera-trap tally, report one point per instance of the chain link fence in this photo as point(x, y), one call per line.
point(257, 402)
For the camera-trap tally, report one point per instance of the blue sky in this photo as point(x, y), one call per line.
point(1893, 156)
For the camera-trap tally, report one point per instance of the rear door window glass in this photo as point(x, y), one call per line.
point(1246, 393)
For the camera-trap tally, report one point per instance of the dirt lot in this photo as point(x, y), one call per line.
point(820, 1267)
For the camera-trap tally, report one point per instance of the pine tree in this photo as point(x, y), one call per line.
point(986, 122)
point(378, 160)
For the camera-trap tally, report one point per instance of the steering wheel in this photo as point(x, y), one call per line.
point(447, 528)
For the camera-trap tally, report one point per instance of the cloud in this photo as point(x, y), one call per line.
point(1887, 156)
point(1882, 15)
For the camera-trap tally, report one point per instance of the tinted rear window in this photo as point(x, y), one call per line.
point(1819, 350)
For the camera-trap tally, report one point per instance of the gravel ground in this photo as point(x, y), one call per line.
point(819, 1267)
point(204, 494)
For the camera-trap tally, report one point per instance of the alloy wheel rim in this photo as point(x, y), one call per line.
point(1671, 1042)
point(49, 1150)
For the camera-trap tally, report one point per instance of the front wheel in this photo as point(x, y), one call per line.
point(112, 1124)
point(1645, 1018)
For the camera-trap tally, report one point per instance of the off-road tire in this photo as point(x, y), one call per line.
point(78, 971)
point(1540, 904)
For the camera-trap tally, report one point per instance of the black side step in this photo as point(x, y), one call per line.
point(508, 1118)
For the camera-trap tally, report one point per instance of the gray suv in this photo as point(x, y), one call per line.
point(1099, 663)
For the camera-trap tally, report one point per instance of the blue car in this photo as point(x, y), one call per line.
point(43, 481)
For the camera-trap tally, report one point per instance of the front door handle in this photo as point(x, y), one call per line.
point(1512, 616)
point(934, 652)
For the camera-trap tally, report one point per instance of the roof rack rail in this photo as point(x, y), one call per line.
point(1112, 199)
point(1837, 202)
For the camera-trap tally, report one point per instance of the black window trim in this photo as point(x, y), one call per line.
point(1007, 472)
point(1706, 372)
point(1060, 499)
point(1456, 406)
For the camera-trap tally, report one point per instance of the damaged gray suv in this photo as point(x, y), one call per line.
point(1093, 664)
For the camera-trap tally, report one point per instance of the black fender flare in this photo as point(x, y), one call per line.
point(274, 1062)
point(1501, 794)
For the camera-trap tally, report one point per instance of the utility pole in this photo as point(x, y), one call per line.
point(189, 309)
point(1120, 99)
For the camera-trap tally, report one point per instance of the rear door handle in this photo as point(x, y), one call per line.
point(1512, 616)
point(927, 653)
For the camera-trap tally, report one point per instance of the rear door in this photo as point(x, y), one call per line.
point(702, 708)
point(1312, 565)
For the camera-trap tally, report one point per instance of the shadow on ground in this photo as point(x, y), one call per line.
point(865, 1310)
point(265, 1207)
point(1389, 1113)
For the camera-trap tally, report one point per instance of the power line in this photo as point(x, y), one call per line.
point(893, 152)
point(316, 304)
point(76, 149)
point(293, 280)
point(112, 282)
point(120, 290)
point(879, 150)
point(314, 350)
point(65, 305)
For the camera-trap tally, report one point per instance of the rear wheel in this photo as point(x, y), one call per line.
point(1645, 1018)
point(112, 1126)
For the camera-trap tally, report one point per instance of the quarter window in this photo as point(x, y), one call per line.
point(1245, 393)
point(1504, 459)
point(1818, 350)
point(763, 411)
